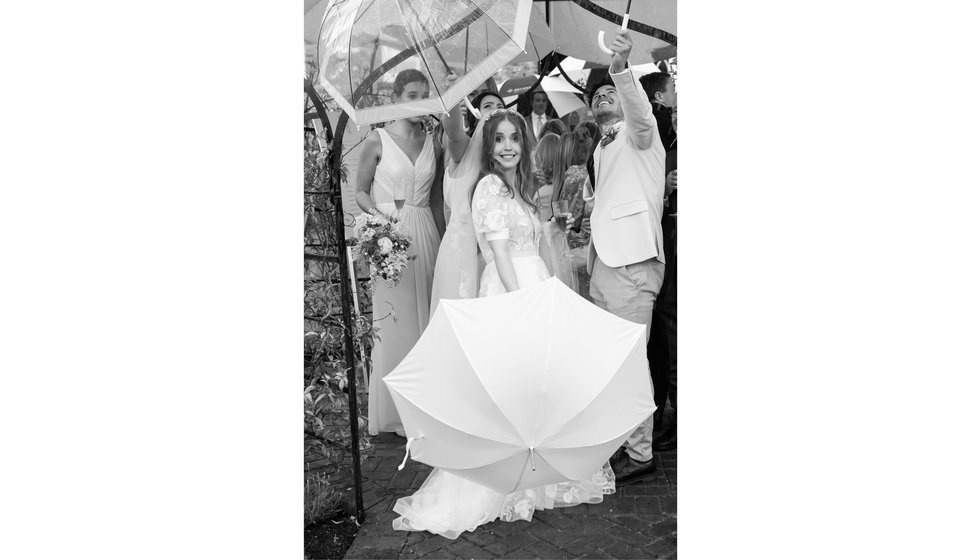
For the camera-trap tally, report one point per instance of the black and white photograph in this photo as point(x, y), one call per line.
point(491, 283)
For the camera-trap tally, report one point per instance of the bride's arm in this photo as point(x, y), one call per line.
point(505, 265)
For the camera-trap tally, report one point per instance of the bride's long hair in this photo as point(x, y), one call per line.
point(524, 189)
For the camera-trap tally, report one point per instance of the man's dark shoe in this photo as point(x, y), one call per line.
point(630, 470)
point(667, 441)
point(619, 459)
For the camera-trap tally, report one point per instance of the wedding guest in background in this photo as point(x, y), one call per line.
point(485, 102)
point(554, 126)
point(665, 313)
point(659, 89)
point(554, 248)
point(571, 180)
point(538, 117)
point(662, 347)
point(396, 170)
point(626, 256)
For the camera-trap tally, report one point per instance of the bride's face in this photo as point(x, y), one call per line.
point(506, 146)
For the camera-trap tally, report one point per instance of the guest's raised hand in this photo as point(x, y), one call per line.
point(621, 47)
point(671, 185)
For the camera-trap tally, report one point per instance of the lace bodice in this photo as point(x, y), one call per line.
point(499, 214)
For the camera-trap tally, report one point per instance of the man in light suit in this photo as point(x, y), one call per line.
point(626, 252)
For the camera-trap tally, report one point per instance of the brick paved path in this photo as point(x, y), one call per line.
point(638, 521)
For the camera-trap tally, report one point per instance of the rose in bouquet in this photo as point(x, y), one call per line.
point(384, 247)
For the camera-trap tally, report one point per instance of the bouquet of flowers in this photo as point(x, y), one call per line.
point(384, 248)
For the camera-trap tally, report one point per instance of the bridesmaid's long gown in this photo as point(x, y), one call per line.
point(402, 312)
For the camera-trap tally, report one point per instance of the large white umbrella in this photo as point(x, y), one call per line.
point(523, 389)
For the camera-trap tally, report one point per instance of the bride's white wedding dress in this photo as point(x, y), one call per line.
point(447, 504)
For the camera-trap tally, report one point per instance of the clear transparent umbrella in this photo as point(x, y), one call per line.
point(364, 44)
point(523, 389)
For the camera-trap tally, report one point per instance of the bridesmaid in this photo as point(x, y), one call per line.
point(458, 268)
point(395, 175)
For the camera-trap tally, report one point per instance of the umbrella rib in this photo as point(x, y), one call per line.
point(520, 448)
point(406, 53)
point(482, 384)
point(633, 25)
point(586, 407)
point(418, 47)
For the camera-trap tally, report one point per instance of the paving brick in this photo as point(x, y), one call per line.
point(481, 537)
point(580, 509)
point(596, 554)
point(376, 547)
point(577, 545)
point(663, 548)
point(547, 533)
point(402, 481)
point(634, 523)
point(625, 551)
point(385, 517)
point(419, 479)
point(519, 554)
point(441, 554)
point(542, 549)
point(509, 543)
point(624, 506)
point(635, 490)
point(594, 526)
point(599, 541)
point(465, 549)
point(429, 545)
point(630, 537)
point(668, 504)
point(414, 537)
point(558, 520)
point(648, 507)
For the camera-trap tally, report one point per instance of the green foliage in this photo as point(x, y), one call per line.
point(327, 409)
point(321, 499)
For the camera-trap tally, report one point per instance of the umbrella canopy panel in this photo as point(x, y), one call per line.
point(576, 23)
point(364, 44)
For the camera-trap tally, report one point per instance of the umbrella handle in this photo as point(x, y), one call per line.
point(472, 109)
point(408, 447)
point(602, 36)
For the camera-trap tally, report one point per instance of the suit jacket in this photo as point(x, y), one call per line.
point(533, 138)
point(629, 191)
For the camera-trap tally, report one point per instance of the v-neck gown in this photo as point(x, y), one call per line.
point(402, 312)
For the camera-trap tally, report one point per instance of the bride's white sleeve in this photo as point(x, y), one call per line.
point(490, 216)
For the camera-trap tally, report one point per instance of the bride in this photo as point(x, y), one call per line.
point(457, 267)
point(508, 233)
